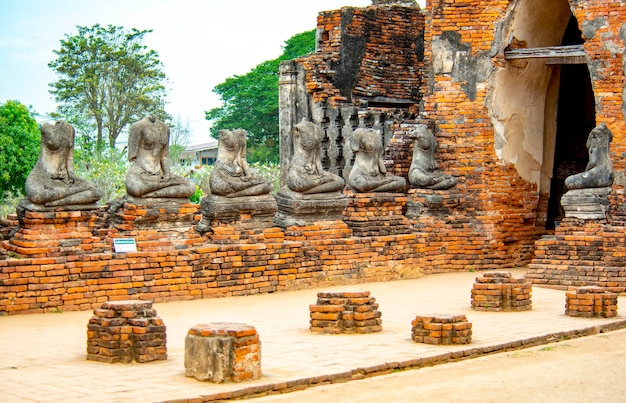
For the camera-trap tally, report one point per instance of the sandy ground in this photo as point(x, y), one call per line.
point(589, 369)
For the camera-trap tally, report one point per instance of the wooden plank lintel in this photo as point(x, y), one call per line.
point(570, 54)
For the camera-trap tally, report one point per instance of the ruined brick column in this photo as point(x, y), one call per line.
point(223, 352)
point(126, 331)
point(591, 302)
point(498, 291)
point(345, 312)
point(441, 329)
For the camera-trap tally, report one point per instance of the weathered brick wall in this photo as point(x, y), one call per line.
point(297, 257)
point(602, 23)
point(592, 252)
point(368, 52)
point(506, 205)
point(489, 222)
point(367, 72)
point(582, 253)
point(503, 203)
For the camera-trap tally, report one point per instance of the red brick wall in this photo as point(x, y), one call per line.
point(491, 223)
point(390, 65)
point(83, 282)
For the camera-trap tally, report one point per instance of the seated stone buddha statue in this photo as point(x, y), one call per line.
point(369, 174)
point(52, 182)
point(149, 175)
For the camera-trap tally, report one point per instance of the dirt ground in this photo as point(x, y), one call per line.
point(588, 369)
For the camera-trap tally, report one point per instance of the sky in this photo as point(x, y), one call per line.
point(199, 42)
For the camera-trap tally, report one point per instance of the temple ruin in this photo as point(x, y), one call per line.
point(510, 89)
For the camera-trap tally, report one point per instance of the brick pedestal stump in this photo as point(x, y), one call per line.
point(441, 329)
point(345, 312)
point(223, 352)
point(498, 291)
point(591, 302)
point(126, 331)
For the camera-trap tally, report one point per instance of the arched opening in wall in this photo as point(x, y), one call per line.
point(575, 119)
point(541, 101)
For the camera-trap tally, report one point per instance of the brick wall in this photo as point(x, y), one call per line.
point(506, 206)
point(489, 221)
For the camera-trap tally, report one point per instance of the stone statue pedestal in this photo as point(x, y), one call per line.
point(431, 202)
point(156, 224)
point(237, 219)
point(298, 209)
point(59, 231)
point(374, 214)
point(586, 204)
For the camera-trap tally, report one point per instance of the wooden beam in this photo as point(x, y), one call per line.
point(570, 54)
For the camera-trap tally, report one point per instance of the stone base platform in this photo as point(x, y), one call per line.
point(376, 214)
point(586, 204)
point(298, 209)
point(345, 312)
point(441, 329)
point(591, 302)
point(58, 232)
point(223, 352)
point(126, 331)
point(498, 291)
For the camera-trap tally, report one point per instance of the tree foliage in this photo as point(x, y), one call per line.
point(107, 78)
point(250, 101)
point(19, 147)
point(180, 134)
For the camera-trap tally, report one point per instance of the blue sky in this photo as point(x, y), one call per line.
point(200, 42)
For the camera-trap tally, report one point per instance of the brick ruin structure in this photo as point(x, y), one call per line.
point(510, 89)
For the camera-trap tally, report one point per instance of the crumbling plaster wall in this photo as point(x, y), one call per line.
point(524, 93)
point(520, 98)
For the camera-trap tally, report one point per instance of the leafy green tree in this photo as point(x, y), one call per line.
point(19, 147)
point(108, 77)
point(180, 134)
point(106, 168)
point(250, 101)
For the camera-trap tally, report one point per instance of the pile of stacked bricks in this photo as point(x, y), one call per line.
point(441, 329)
point(126, 331)
point(591, 302)
point(377, 214)
point(498, 291)
point(223, 352)
point(345, 312)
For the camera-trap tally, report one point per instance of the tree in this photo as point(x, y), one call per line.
point(19, 147)
point(180, 133)
point(108, 77)
point(250, 101)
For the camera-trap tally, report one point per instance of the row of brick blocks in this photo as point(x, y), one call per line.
point(127, 331)
point(498, 291)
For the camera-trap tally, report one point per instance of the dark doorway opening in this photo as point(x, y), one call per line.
point(575, 119)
